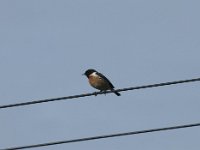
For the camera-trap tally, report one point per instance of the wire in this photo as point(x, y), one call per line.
point(104, 136)
point(96, 93)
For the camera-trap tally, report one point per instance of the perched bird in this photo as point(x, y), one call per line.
point(99, 81)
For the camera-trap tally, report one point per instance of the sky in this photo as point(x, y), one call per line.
point(46, 46)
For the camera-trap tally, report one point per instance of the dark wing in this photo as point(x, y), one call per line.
point(101, 75)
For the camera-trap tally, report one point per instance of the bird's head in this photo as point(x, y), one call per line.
point(89, 72)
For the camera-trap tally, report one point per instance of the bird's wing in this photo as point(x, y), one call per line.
point(101, 75)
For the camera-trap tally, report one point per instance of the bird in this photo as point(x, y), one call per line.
point(99, 81)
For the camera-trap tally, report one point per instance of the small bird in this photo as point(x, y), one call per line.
point(99, 81)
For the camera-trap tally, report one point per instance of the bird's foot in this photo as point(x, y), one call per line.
point(103, 92)
point(95, 94)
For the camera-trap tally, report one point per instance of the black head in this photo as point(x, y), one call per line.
point(89, 72)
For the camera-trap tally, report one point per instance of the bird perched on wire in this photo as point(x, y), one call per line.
point(99, 81)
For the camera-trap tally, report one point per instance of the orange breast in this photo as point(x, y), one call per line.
point(98, 83)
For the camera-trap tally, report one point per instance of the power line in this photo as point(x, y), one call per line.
point(103, 136)
point(96, 93)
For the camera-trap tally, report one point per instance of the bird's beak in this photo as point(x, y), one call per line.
point(83, 74)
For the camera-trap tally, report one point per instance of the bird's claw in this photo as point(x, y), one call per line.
point(95, 93)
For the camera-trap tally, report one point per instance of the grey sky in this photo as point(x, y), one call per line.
point(45, 46)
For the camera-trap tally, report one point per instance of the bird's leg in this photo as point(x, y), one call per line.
point(104, 91)
point(95, 93)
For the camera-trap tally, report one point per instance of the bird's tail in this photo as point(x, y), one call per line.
point(117, 93)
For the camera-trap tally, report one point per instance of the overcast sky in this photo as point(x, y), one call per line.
point(46, 45)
